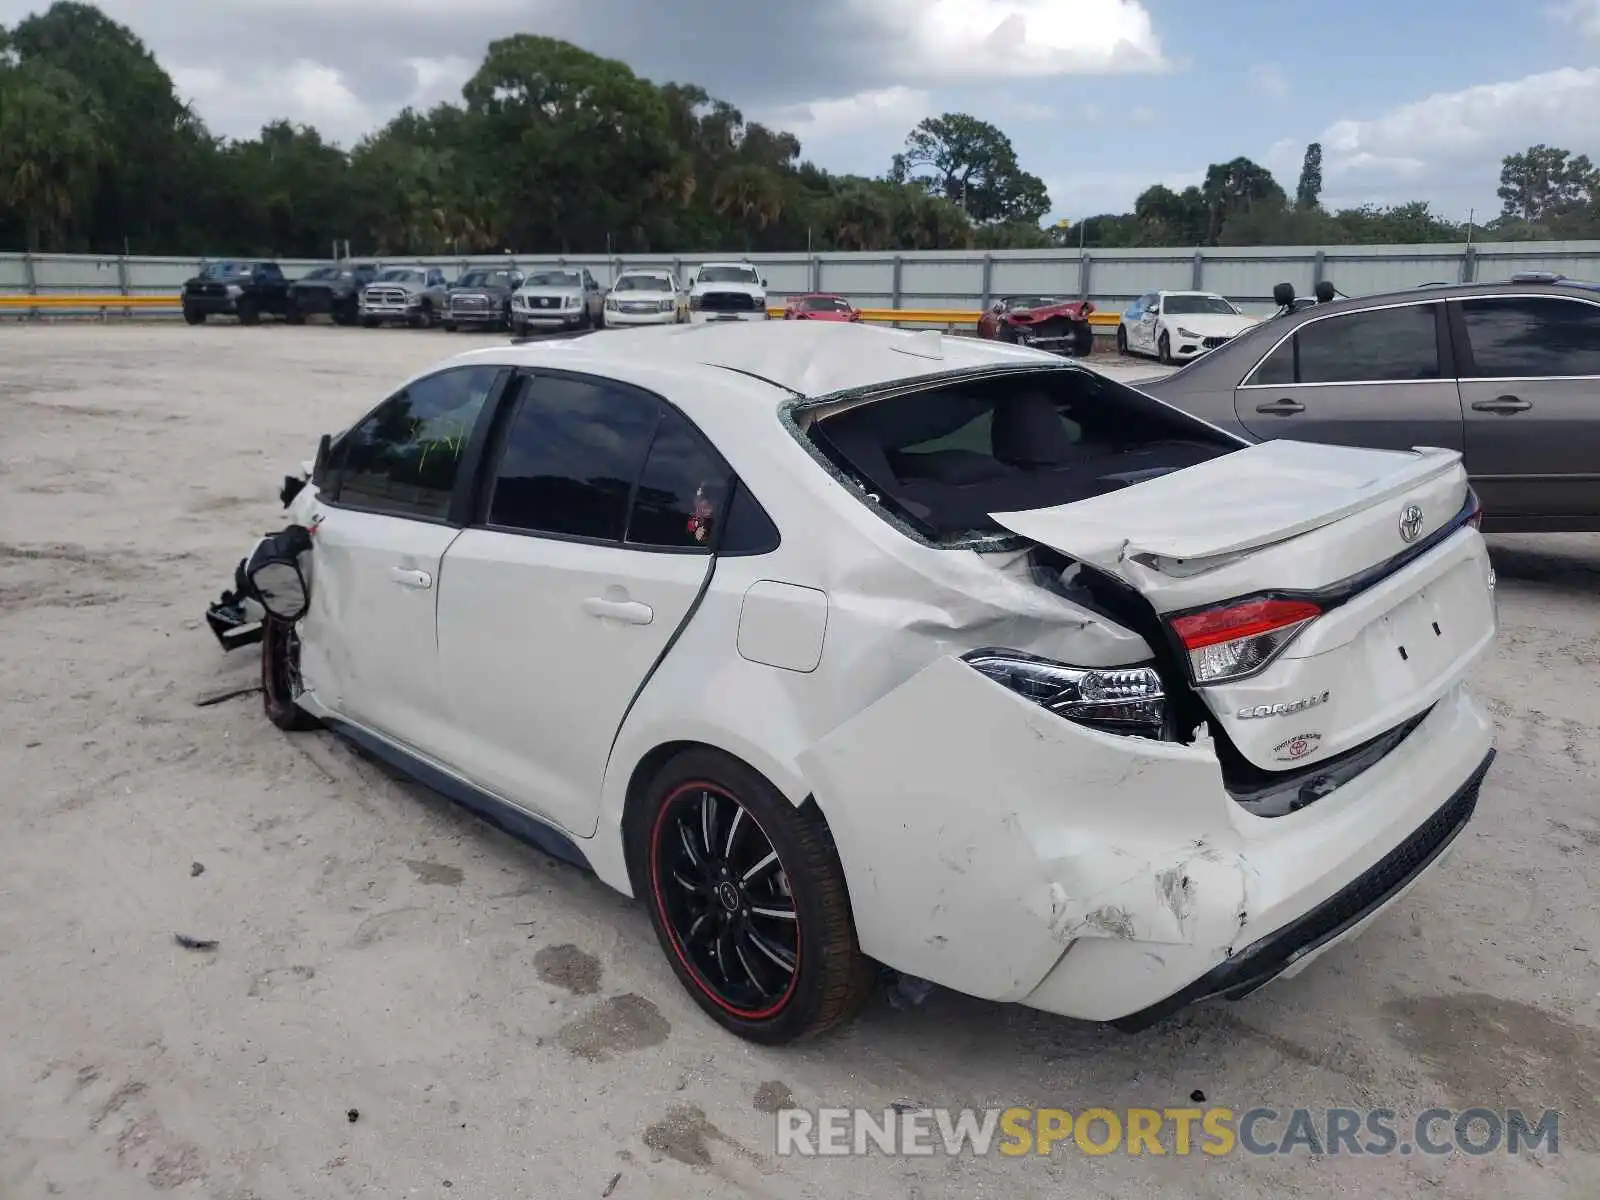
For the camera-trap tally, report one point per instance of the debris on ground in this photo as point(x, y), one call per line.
point(352, 1115)
point(612, 1186)
point(906, 991)
point(194, 943)
point(196, 868)
point(1197, 1096)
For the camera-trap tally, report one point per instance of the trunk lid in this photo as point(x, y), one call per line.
point(1377, 540)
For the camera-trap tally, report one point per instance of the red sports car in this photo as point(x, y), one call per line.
point(820, 306)
point(1045, 322)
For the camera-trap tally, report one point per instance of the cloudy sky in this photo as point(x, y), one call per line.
point(1412, 99)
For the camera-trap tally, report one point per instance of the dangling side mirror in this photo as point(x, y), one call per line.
point(273, 573)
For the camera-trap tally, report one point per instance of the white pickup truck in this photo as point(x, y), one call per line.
point(727, 291)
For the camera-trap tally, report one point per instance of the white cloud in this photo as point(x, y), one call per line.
point(1090, 193)
point(239, 103)
point(1582, 15)
point(957, 40)
point(1448, 146)
point(1270, 81)
point(895, 109)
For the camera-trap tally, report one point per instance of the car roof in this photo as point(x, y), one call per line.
point(800, 358)
point(1188, 292)
point(1213, 371)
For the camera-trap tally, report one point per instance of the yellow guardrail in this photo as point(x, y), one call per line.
point(87, 300)
point(110, 300)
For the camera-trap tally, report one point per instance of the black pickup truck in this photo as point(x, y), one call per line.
point(237, 288)
point(330, 291)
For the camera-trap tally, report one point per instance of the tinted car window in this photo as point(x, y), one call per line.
point(402, 458)
point(1532, 336)
point(1277, 370)
point(573, 450)
point(682, 492)
point(1369, 347)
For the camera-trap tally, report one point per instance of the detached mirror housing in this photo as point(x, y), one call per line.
point(274, 576)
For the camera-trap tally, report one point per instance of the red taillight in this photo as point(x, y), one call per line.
point(1475, 517)
point(1240, 639)
point(1249, 619)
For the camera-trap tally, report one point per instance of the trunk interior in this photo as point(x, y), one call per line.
point(945, 458)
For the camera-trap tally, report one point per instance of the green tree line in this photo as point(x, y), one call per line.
point(554, 149)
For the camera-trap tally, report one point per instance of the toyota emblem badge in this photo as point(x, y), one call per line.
point(1411, 523)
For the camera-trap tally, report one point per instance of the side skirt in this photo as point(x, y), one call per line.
point(500, 813)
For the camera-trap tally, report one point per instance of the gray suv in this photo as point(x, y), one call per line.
point(1506, 373)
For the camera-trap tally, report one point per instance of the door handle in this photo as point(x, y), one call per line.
point(409, 578)
point(1502, 404)
point(629, 612)
point(1281, 408)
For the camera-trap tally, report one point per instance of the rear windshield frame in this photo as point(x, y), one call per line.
point(801, 413)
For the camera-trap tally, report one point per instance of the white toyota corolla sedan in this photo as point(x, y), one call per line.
point(840, 645)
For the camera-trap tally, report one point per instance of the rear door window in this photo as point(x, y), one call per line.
point(1532, 337)
point(573, 452)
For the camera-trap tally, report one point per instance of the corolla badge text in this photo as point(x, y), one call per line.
point(1282, 710)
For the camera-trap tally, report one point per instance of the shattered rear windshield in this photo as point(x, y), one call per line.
point(943, 458)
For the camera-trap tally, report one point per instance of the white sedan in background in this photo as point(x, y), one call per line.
point(645, 297)
point(836, 645)
point(1178, 326)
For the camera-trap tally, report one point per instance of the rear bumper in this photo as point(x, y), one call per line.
point(1112, 876)
point(1307, 881)
point(1294, 945)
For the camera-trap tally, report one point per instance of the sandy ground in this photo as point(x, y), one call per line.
point(404, 1002)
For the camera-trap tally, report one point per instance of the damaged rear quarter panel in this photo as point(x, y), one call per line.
point(983, 835)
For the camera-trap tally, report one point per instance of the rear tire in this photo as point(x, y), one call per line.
point(280, 676)
point(248, 313)
point(748, 900)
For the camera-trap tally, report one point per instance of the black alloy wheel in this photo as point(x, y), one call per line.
point(748, 900)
